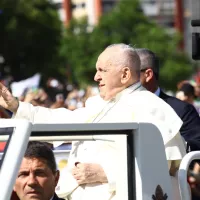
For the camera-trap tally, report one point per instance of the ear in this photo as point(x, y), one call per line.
point(148, 75)
point(126, 75)
point(57, 176)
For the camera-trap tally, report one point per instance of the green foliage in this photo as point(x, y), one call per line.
point(30, 36)
point(125, 24)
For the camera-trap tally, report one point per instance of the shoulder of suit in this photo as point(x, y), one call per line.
point(180, 107)
point(170, 99)
point(57, 198)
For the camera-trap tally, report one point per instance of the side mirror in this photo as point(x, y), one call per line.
point(195, 41)
point(196, 46)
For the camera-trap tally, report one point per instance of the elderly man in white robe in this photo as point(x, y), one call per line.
point(122, 99)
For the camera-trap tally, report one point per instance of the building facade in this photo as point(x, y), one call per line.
point(172, 14)
point(92, 9)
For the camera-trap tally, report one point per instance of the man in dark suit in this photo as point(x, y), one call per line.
point(190, 129)
point(37, 177)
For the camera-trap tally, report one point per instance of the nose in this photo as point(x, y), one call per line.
point(32, 180)
point(97, 76)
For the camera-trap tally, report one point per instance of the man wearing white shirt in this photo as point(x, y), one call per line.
point(92, 165)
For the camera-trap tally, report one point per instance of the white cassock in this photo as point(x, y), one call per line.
point(134, 104)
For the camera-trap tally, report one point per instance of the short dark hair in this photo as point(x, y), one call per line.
point(41, 150)
point(149, 59)
point(188, 89)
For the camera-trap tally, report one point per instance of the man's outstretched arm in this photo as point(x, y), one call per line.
point(38, 114)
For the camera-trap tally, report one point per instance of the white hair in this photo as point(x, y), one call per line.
point(126, 57)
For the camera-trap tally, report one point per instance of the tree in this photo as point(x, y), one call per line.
point(125, 24)
point(30, 37)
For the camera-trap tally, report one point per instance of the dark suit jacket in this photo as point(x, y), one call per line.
point(56, 197)
point(190, 129)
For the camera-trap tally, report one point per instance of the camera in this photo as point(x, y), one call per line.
point(195, 41)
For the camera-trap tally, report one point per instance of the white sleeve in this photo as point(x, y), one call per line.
point(175, 149)
point(37, 114)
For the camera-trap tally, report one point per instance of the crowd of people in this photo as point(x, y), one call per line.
point(126, 77)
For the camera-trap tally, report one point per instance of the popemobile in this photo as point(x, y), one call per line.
point(142, 168)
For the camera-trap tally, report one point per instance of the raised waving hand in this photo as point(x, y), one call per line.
point(7, 100)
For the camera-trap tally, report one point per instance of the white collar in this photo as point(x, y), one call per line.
point(128, 90)
point(111, 103)
point(157, 92)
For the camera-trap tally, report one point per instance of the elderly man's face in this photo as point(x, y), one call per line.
point(108, 76)
point(35, 180)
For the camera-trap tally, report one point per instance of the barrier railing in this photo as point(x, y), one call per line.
point(183, 174)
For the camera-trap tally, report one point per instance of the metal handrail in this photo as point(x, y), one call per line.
point(4, 138)
point(183, 173)
point(14, 154)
